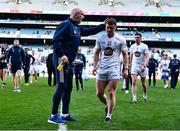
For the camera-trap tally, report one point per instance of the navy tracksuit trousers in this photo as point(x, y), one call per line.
point(63, 90)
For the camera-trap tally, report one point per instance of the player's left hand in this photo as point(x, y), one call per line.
point(94, 71)
point(125, 74)
point(143, 69)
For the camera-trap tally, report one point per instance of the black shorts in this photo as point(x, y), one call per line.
point(3, 65)
point(78, 71)
point(15, 68)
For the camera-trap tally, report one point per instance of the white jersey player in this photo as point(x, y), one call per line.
point(138, 52)
point(34, 69)
point(139, 56)
point(110, 50)
point(107, 52)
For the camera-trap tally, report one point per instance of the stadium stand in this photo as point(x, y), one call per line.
point(35, 25)
point(126, 6)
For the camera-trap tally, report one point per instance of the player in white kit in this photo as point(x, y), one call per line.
point(139, 56)
point(164, 65)
point(106, 64)
point(34, 69)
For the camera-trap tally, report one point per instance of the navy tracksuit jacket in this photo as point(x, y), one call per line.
point(16, 53)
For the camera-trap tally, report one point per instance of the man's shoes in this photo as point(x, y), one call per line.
point(126, 91)
point(3, 85)
point(18, 90)
point(15, 89)
point(26, 84)
point(145, 98)
point(68, 118)
point(55, 120)
point(108, 120)
point(133, 101)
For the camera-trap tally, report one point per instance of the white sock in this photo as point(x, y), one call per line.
point(109, 115)
point(134, 96)
point(166, 85)
point(145, 95)
point(65, 115)
point(124, 84)
point(52, 115)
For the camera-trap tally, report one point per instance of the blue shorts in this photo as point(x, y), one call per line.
point(165, 75)
point(15, 68)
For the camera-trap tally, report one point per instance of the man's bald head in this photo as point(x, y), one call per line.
point(77, 15)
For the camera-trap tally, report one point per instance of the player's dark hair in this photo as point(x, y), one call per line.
point(139, 34)
point(111, 21)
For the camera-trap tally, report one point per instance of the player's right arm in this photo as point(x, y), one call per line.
point(130, 57)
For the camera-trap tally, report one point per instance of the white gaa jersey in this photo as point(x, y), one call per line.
point(110, 50)
point(164, 64)
point(138, 52)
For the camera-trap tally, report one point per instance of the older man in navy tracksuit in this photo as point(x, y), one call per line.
point(65, 45)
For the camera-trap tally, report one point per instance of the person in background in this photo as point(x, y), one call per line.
point(174, 67)
point(66, 41)
point(153, 67)
point(139, 57)
point(34, 67)
point(50, 69)
point(164, 65)
point(127, 80)
point(103, 2)
point(78, 65)
point(29, 60)
point(3, 64)
point(16, 54)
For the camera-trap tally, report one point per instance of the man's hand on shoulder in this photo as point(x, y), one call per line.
point(105, 21)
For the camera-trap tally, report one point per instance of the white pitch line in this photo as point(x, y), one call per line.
point(62, 127)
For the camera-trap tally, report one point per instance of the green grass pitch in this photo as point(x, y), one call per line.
point(30, 109)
